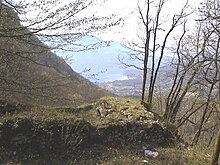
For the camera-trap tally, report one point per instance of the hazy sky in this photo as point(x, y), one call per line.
point(128, 8)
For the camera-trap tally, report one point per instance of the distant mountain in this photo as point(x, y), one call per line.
point(30, 73)
point(102, 63)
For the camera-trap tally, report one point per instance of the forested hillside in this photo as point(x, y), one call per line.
point(31, 74)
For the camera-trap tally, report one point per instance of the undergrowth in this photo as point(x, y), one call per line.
point(81, 135)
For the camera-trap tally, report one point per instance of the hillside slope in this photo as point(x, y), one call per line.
point(109, 131)
point(30, 73)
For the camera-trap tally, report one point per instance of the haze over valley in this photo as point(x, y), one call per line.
point(101, 65)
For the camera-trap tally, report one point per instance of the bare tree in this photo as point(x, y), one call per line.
point(212, 55)
point(153, 44)
point(188, 66)
point(197, 74)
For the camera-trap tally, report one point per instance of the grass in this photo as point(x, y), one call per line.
point(126, 155)
point(39, 114)
point(183, 156)
point(47, 121)
point(133, 155)
point(114, 110)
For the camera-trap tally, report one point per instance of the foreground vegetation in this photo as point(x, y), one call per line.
point(99, 154)
point(109, 131)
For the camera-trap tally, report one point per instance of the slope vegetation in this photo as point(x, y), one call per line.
point(109, 131)
point(30, 73)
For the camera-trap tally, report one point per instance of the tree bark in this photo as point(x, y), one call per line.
point(216, 150)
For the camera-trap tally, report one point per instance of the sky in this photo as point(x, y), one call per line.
point(128, 9)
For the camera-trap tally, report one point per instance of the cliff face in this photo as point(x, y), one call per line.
point(31, 73)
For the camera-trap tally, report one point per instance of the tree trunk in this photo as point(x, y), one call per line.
point(216, 150)
point(146, 52)
point(219, 88)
